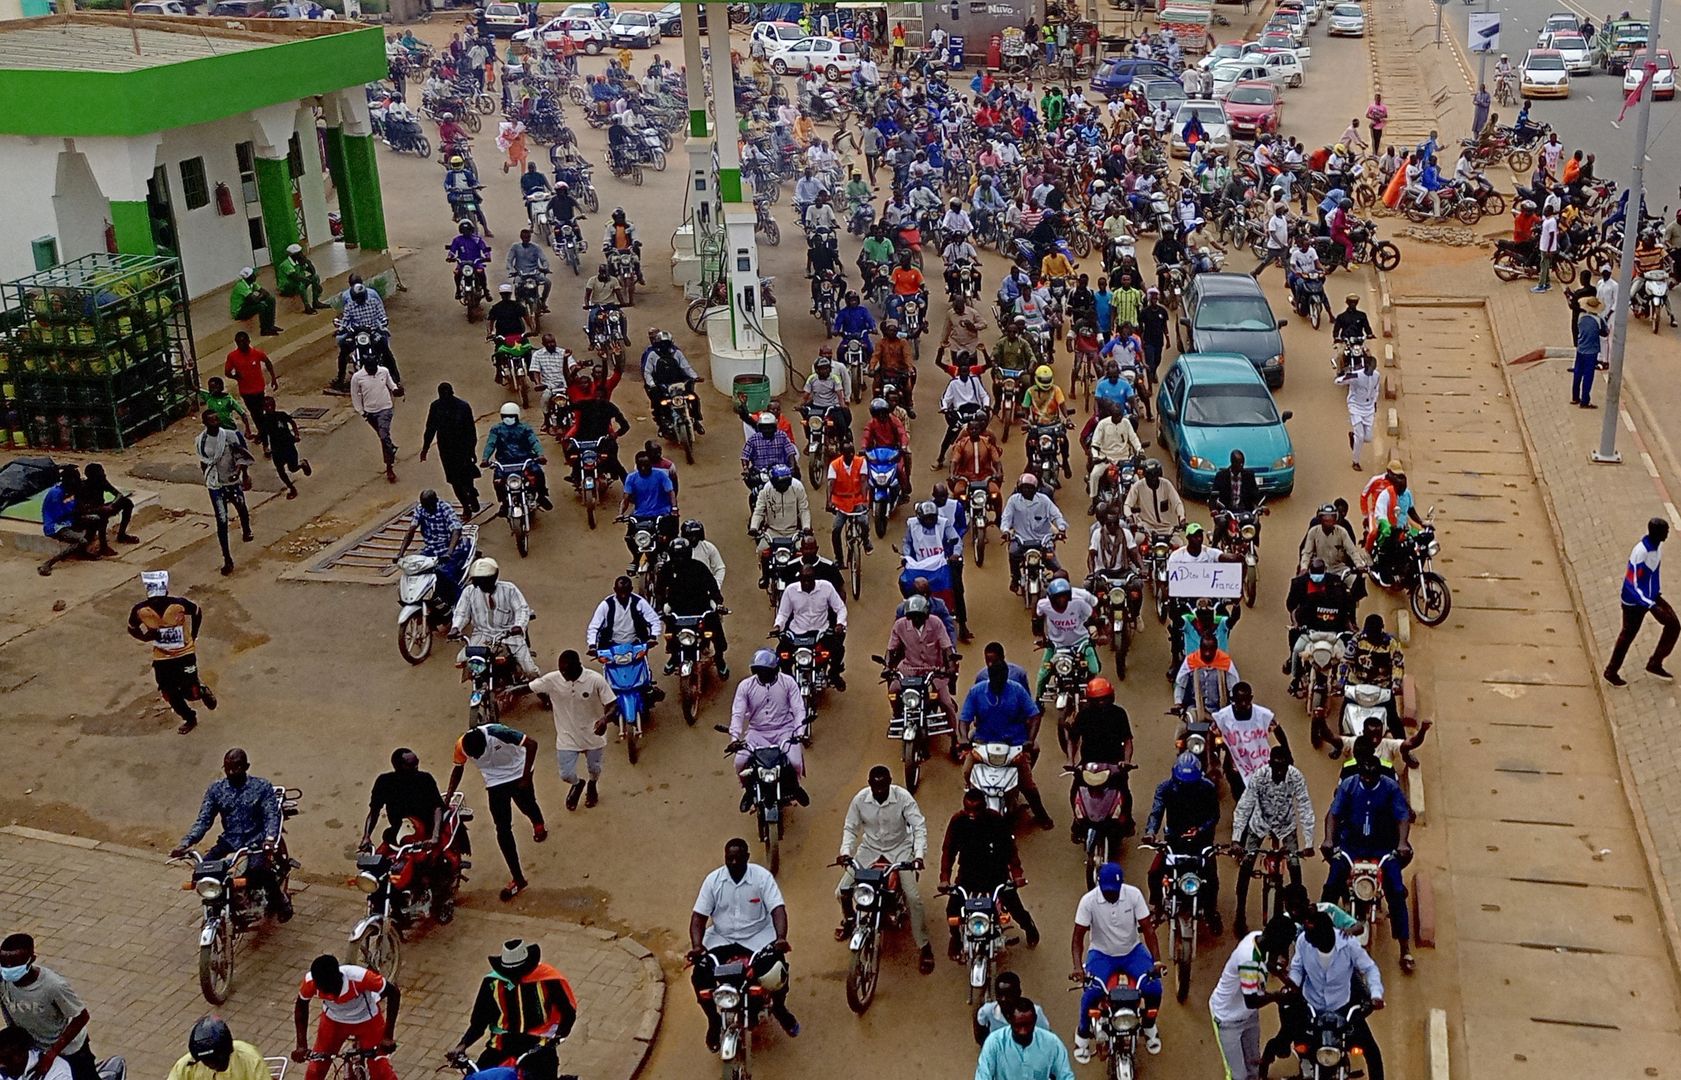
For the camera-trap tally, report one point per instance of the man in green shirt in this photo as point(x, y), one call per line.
point(1014, 351)
point(878, 249)
point(296, 276)
point(249, 298)
point(1129, 299)
point(216, 399)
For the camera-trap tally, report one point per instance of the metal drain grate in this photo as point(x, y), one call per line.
point(309, 412)
point(365, 558)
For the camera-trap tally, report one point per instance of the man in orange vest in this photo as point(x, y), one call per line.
point(522, 1004)
point(848, 494)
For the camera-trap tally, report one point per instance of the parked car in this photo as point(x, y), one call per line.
point(1663, 81)
point(1294, 22)
point(1347, 20)
point(1284, 66)
point(298, 11)
point(1254, 108)
point(1217, 130)
point(1562, 20)
point(635, 29)
point(1230, 74)
point(238, 9)
point(671, 20)
point(1157, 90)
point(1114, 74)
point(1213, 403)
point(1280, 39)
point(161, 7)
point(1226, 50)
point(834, 57)
point(775, 35)
point(1228, 313)
point(1543, 75)
point(505, 20)
point(587, 32)
point(1578, 58)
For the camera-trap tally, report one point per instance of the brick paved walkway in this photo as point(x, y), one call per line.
point(115, 922)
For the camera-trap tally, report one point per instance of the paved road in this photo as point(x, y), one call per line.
point(312, 686)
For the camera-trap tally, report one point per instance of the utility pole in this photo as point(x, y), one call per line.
point(1482, 57)
point(1607, 452)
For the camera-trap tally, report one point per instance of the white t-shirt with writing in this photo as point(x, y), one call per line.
point(1246, 739)
point(1066, 627)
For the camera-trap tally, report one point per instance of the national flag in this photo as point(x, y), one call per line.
point(1193, 132)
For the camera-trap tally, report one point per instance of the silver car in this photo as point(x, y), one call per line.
point(1347, 20)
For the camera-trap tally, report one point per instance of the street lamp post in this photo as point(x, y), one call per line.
point(1607, 452)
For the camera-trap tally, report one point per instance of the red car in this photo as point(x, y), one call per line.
point(1254, 108)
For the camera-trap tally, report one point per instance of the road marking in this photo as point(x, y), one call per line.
point(1674, 514)
point(1646, 460)
point(1439, 1044)
point(1628, 421)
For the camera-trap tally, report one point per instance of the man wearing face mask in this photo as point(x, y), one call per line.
point(510, 442)
point(884, 824)
point(812, 606)
point(250, 815)
point(498, 614)
point(1030, 519)
point(1324, 966)
point(738, 913)
point(1275, 803)
point(1370, 819)
point(360, 308)
point(767, 711)
point(37, 1000)
point(1318, 601)
point(214, 1054)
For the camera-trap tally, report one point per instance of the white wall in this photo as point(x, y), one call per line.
point(27, 171)
point(313, 188)
point(213, 248)
point(80, 208)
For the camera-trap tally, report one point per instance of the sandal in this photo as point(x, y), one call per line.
point(1408, 963)
point(512, 889)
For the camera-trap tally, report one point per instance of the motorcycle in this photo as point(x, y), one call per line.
point(622, 264)
point(997, 776)
point(1324, 1051)
point(528, 290)
point(470, 290)
point(406, 883)
point(420, 611)
point(490, 670)
point(1364, 893)
point(1349, 356)
point(649, 542)
point(877, 907)
point(1066, 689)
point(819, 446)
point(648, 148)
point(882, 468)
point(232, 905)
point(592, 485)
point(911, 312)
point(827, 302)
point(608, 338)
point(806, 658)
point(1006, 396)
point(1183, 909)
point(569, 246)
point(742, 999)
point(515, 483)
point(537, 213)
point(780, 565)
point(679, 405)
point(631, 680)
point(1649, 298)
point(1238, 532)
point(692, 657)
point(1034, 576)
point(1453, 201)
point(855, 356)
point(917, 718)
point(1120, 600)
point(1271, 863)
point(982, 515)
point(764, 775)
point(1321, 652)
point(966, 276)
point(1308, 298)
point(1154, 551)
point(1044, 454)
point(1100, 812)
point(511, 357)
point(1510, 264)
point(985, 925)
point(1427, 591)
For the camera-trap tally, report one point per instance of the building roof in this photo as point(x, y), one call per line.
point(81, 75)
point(50, 45)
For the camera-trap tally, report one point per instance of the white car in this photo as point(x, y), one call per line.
point(1285, 67)
point(589, 33)
point(1543, 75)
point(1578, 58)
point(833, 57)
point(1347, 20)
point(1663, 82)
point(505, 20)
point(1232, 72)
point(776, 35)
point(1292, 21)
point(1561, 20)
point(1313, 9)
point(161, 7)
point(1216, 127)
point(1228, 50)
point(635, 29)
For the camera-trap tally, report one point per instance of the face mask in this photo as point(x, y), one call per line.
point(510, 420)
point(14, 974)
point(767, 677)
point(1316, 578)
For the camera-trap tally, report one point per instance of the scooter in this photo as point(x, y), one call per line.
point(882, 471)
point(631, 680)
point(420, 611)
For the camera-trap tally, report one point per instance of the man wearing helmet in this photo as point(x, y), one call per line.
point(1044, 404)
point(497, 613)
point(686, 587)
point(827, 390)
point(511, 441)
point(506, 317)
point(664, 366)
point(886, 431)
point(1030, 519)
point(460, 187)
point(1101, 733)
point(214, 1054)
point(1185, 809)
point(470, 253)
point(563, 207)
point(1062, 621)
point(620, 235)
point(767, 446)
point(781, 510)
point(854, 320)
point(891, 365)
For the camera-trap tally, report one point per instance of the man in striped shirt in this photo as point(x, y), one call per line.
point(1641, 597)
point(1241, 993)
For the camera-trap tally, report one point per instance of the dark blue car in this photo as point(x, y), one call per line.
point(1114, 74)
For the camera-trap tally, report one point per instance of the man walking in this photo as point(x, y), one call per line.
point(226, 462)
point(583, 704)
point(1363, 386)
point(1547, 244)
point(1590, 328)
point(449, 420)
point(1641, 597)
point(373, 395)
point(38, 1000)
point(1277, 240)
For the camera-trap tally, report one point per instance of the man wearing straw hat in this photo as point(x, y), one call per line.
point(1590, 328)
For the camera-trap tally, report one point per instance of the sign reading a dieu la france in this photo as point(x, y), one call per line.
point(1217, 580)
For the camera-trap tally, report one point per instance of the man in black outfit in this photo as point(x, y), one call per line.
point(980, 842)
point(450, 422)
point(686, 586)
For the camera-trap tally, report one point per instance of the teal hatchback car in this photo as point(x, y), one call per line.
point(1210, 404)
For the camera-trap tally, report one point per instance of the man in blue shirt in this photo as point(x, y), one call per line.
point(1369, 819)
point(1589, 329)
point(1641, 597)
point(1115, 387)
point(250, 813)
point(1024, 1050)
point(82, 534)
point(1324, 966)
point(1000, 710)
point(993, 653)
point(510, 442)
point(855, 321)
point(439, 527)
point(649, 495)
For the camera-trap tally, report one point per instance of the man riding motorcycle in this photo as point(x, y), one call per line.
point(460, 185)
point(1318, 601)
point(440, 538)
point(1044, 404)
point(250, 816)
point(1377, 661)
point(884, 824)
point(1153, 504)
point(1061, 621)
point(886, 431)
point(737, 915)
point(1030, 519)
point(498, 613)
point(1368, 819)
point(620, 235)
point(687, 587)
point(512, 441)
point(664, 365)
point(782, 510)
point(979, 843)
point(1187, 806)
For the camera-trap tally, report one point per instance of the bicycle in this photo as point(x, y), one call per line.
point(857, 530)
point(351, 1064)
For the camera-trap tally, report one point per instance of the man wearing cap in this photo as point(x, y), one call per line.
point(884, 824)
point(295, 275)
point(1123, 942)
point(522, 1003)
point(1030, 520)
point(1590, 328)
point(1364, 384)
point(248, 299)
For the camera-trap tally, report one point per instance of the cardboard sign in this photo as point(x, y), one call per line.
point(1218, 580)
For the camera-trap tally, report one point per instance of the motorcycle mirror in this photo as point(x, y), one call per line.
point(1282, 323)
point(1286, 415)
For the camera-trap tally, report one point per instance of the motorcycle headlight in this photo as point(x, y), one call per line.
point(686, 638)
point(1434, 547)
point(1190, 884)
point(911, 699)
point(1034, 557)
point(978, 498)
point(1045, 442)
point(1160, 551)
point(1365, 889)
point(1328, 1057)
point(644, 540)
point(515, 482)
point(803, 657)
point(1247, 532)
point(1125, 1021)
point(1064, 665)
point(769, 776)
point(1196, 744)
point(367, 882)
point(726, 998)
point(864, 896)
point(815, 424)
point(208, 888)
point(783, 557)
point(980, 925)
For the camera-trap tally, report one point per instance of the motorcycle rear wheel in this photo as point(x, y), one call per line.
point(863, 975)
point(1430, 598)
point(381, 950)
point(689, 692)
point(1505, 269)
point(215, 964)
point(422, 146)
point(1123, 645)
point(1313, 306)
point(414, 640)
point(773, 233)
point(881, 518)
point(524, 385)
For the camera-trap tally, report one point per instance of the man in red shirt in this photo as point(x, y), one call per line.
point(349, 1010)
point(885, 430)
point(246, 366)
